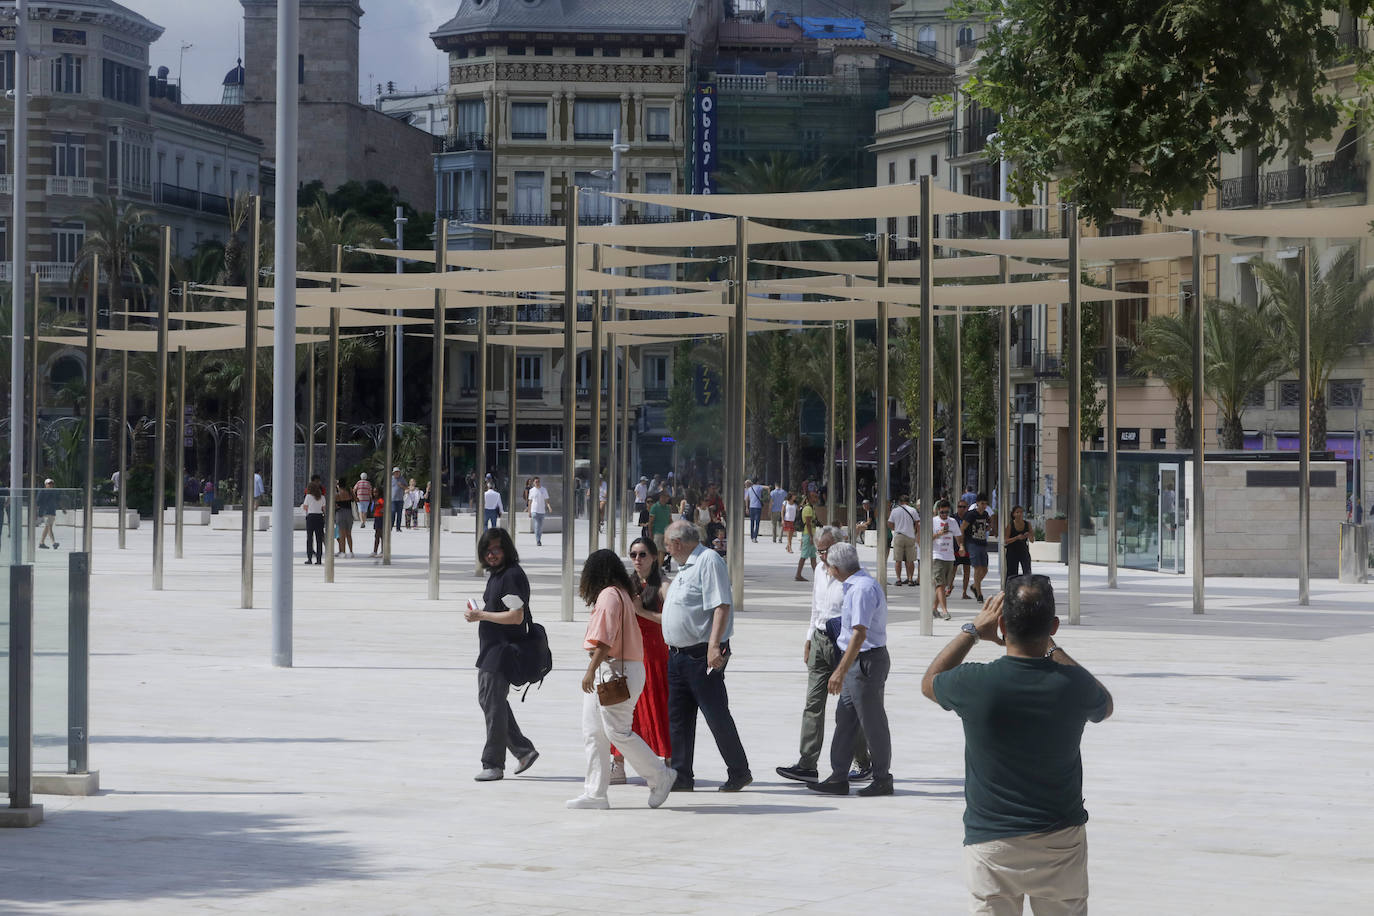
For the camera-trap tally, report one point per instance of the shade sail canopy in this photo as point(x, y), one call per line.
point(305, 318)
point(351, 297)
point(195, 339)
point(983, 266)
point(519, 280)
point(555, 341)
point(1151, 246)
point(546, 256)
point(1301, 223)
point(852, 203)
point(702, 233)
point(1034, 292)
point(688, 326)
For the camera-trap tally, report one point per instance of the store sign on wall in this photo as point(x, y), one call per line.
point(704, 139)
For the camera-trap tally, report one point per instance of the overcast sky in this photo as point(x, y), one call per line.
point(395, 42)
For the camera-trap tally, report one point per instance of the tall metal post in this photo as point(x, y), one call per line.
point(1109, 419)
point(1304, 431)
point(481, 429)
point(399, 332)
point(124, 431)
point(1197, 497)
point(925, 422)
point(851, 482)
point(436, 412)
point(956, 409)
point(388, 512)
point(594, 417)
point(734, 475)
point(511, 418)
point(34, 480)
point(311, 394)
point(18, 232)
point(92, 310)
point(882, 502)
point(1073, 346)
point(179, 443)
point(250, 401)
point(20, 737)
point(331, 408)
point(569, 398)
point(78, 662)
point(626, 474)
point(832, 498)
point(160, 436)
point(1004, 497)
point(612, 446)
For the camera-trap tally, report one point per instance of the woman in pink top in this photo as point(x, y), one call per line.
point(614, 646)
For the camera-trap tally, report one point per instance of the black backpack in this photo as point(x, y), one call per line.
point(527, 659)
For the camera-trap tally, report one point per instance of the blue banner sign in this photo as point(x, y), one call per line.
point(704, 139)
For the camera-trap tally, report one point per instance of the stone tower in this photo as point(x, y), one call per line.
point(327, 70)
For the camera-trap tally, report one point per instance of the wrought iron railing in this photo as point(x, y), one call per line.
point(1285, 184)
point(458, 143)
point(1324, 179)
point(478, 215)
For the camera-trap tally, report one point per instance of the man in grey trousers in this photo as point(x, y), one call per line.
point(860, 677)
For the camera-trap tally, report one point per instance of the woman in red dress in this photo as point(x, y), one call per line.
point(651, 712)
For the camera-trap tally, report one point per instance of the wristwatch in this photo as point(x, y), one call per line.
point(971, 630)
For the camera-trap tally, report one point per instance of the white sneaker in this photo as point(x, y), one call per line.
point(659, 793)
point(588, 801)
point(617, 771)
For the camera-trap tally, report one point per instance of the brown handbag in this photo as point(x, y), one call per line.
point(616, 688)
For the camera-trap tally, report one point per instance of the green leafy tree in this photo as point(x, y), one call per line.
point(1340, 318)
point(1165, 350)
point(119, 234)
point(1242, 356)
point(1137, 98)
point(1091, 407)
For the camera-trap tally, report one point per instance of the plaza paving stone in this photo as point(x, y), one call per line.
point(1235, 776)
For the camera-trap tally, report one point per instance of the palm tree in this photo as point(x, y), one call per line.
point(1341, 313)
point(119, 234)
point(1241, 358)
point(1165, 350)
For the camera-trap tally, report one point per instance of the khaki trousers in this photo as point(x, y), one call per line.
point(1049, 868)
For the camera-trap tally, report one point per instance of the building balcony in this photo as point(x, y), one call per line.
point(458, 143)
point(1048, 364)
point(979, 224)
point(529, 135)
point(656, 395)
point(1123, 362)
point(1119, 226)
point(475, 215)
point(529, 392)
point(7, 184)
point(1335, 177)
point(924, 85)
point(971, 138)
point(1325, 179)
point(967, 49)
point(190, 199)
point(1284, 185)
point(532, 219)
point(64, 186)
point(777, 84)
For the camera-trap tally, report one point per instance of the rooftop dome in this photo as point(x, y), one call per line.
point(233, 86)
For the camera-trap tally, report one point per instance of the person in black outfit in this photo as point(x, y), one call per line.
point(1019, 536)
point(497, 626)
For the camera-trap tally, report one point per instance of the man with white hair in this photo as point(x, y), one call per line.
point(860, 678)
point(820, 655)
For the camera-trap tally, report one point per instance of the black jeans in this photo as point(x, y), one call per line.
point(314, 536)
point(690, 688)
point(1018, 560)
point(502, 730)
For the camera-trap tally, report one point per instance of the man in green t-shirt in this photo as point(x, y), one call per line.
point(660, 517)
point(1023, 718)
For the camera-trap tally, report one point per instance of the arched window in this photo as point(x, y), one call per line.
point(965, 35)
point(925, 40)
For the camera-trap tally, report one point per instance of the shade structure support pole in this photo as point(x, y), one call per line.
point(851, 482)
point(569, 400)
point(35, 481)
point(1004, 497)
point(956, 410)
point(124, 432)
point(1073, 325)
point(925, 421)
point(18, 229)
point(92, 310)
point(160, 448)
point(1197, 500)
point(612, 446)
point(250, 401)
point(882, 503)
point(511, 382)
point(436, 416)
point(179, 443)
point(832, 496)
point(1304, 429)
point(311, 391)
point(1109, 419)
point(331, 409)
point(625, 472)
point(594, 417)
point(734, 475)
point(389, 421)
point(481, 430)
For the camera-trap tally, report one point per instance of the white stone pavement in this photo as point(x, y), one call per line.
point(1235, 776)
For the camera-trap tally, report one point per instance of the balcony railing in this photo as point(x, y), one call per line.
point(1286, 184)
point(1337, 177)
point(1048, 364)
point(1123, 362)
point(657, 395)
point(458, 143)
point(532, 219)
point(6, 184)
point(466, 216)
point(966, 51)
point(1239, 192)
point(529, 392)
point(1023, 353)
point(975, 225)
point(1300, 183)
point(66, 186)
point(591, 135)
point(190, 199)
point(971, 138)
point(1120, 226)
point(658, 138)
point(53, 271)
point(529, 135)
point(927, 86)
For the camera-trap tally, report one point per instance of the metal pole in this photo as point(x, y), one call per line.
point(92, 310)
point(124, 431)
point(481, 431)
point(511, 414)
point(1004, 498)
point(625, 472)
point(925, 442)
point(832, 498)
point(78, 662)
point(34, 480)
point(851, 482)
point(284, 335)
point(882, 496)
point(734, 475)
point(1110, 433)
point(1074, 341)
point(1199, 447)
point(436, 413)
point(18, 231)
point(1304, 433)
point(569, 396)
point(180, 446)
point(331, 408)
point(311, 393)
point(248, 515)
point(21, 686)
point(956, 409)
point(398, 332)
point(594, 417)
point(388, 511)
point(612, 447)
point(160, 453)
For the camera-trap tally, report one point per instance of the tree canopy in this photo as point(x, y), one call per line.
point(1135, 99)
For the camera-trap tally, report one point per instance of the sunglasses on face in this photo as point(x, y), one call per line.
point(493, 550)
point(638, 556)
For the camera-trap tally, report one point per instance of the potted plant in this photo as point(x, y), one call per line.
point(1055, 526)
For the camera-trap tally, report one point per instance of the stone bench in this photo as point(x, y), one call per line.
point(233, 521)
point(190, 515)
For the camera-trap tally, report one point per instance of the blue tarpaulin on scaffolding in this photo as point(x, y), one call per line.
point(817, 27)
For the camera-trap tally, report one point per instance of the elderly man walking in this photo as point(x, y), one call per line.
point(697, 626)
point(860, 678)
point(820, 656)
point(1023, 718)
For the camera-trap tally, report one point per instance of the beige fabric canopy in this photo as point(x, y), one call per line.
point(702, 233)
point(305, 318)
point(702, 325)
point(545, 256)
point(852, 203)
point(1300, 223)
point(984, 266)
point(1152, 246)
point(519, 280)
point(1034, 292)
point(350, 298)
point(555, 341)
point(195, 339)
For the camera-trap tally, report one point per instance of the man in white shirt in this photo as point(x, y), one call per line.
point(641, 496)
point(538, 500)
point(754, 495)
point(492, 506)
point(820, 655)
point(945, 539)
point(777, 497)
point(904, 523)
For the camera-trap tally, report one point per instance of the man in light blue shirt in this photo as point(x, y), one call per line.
point(860, 677)
point(697, 625)
point(755, 495)
point(776, 498)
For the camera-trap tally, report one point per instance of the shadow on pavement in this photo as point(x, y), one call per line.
point(80, 856)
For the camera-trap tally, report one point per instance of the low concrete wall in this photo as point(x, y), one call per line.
point(103, 518)
point(190, 515)
point(1252, 524)
point(233, 521)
